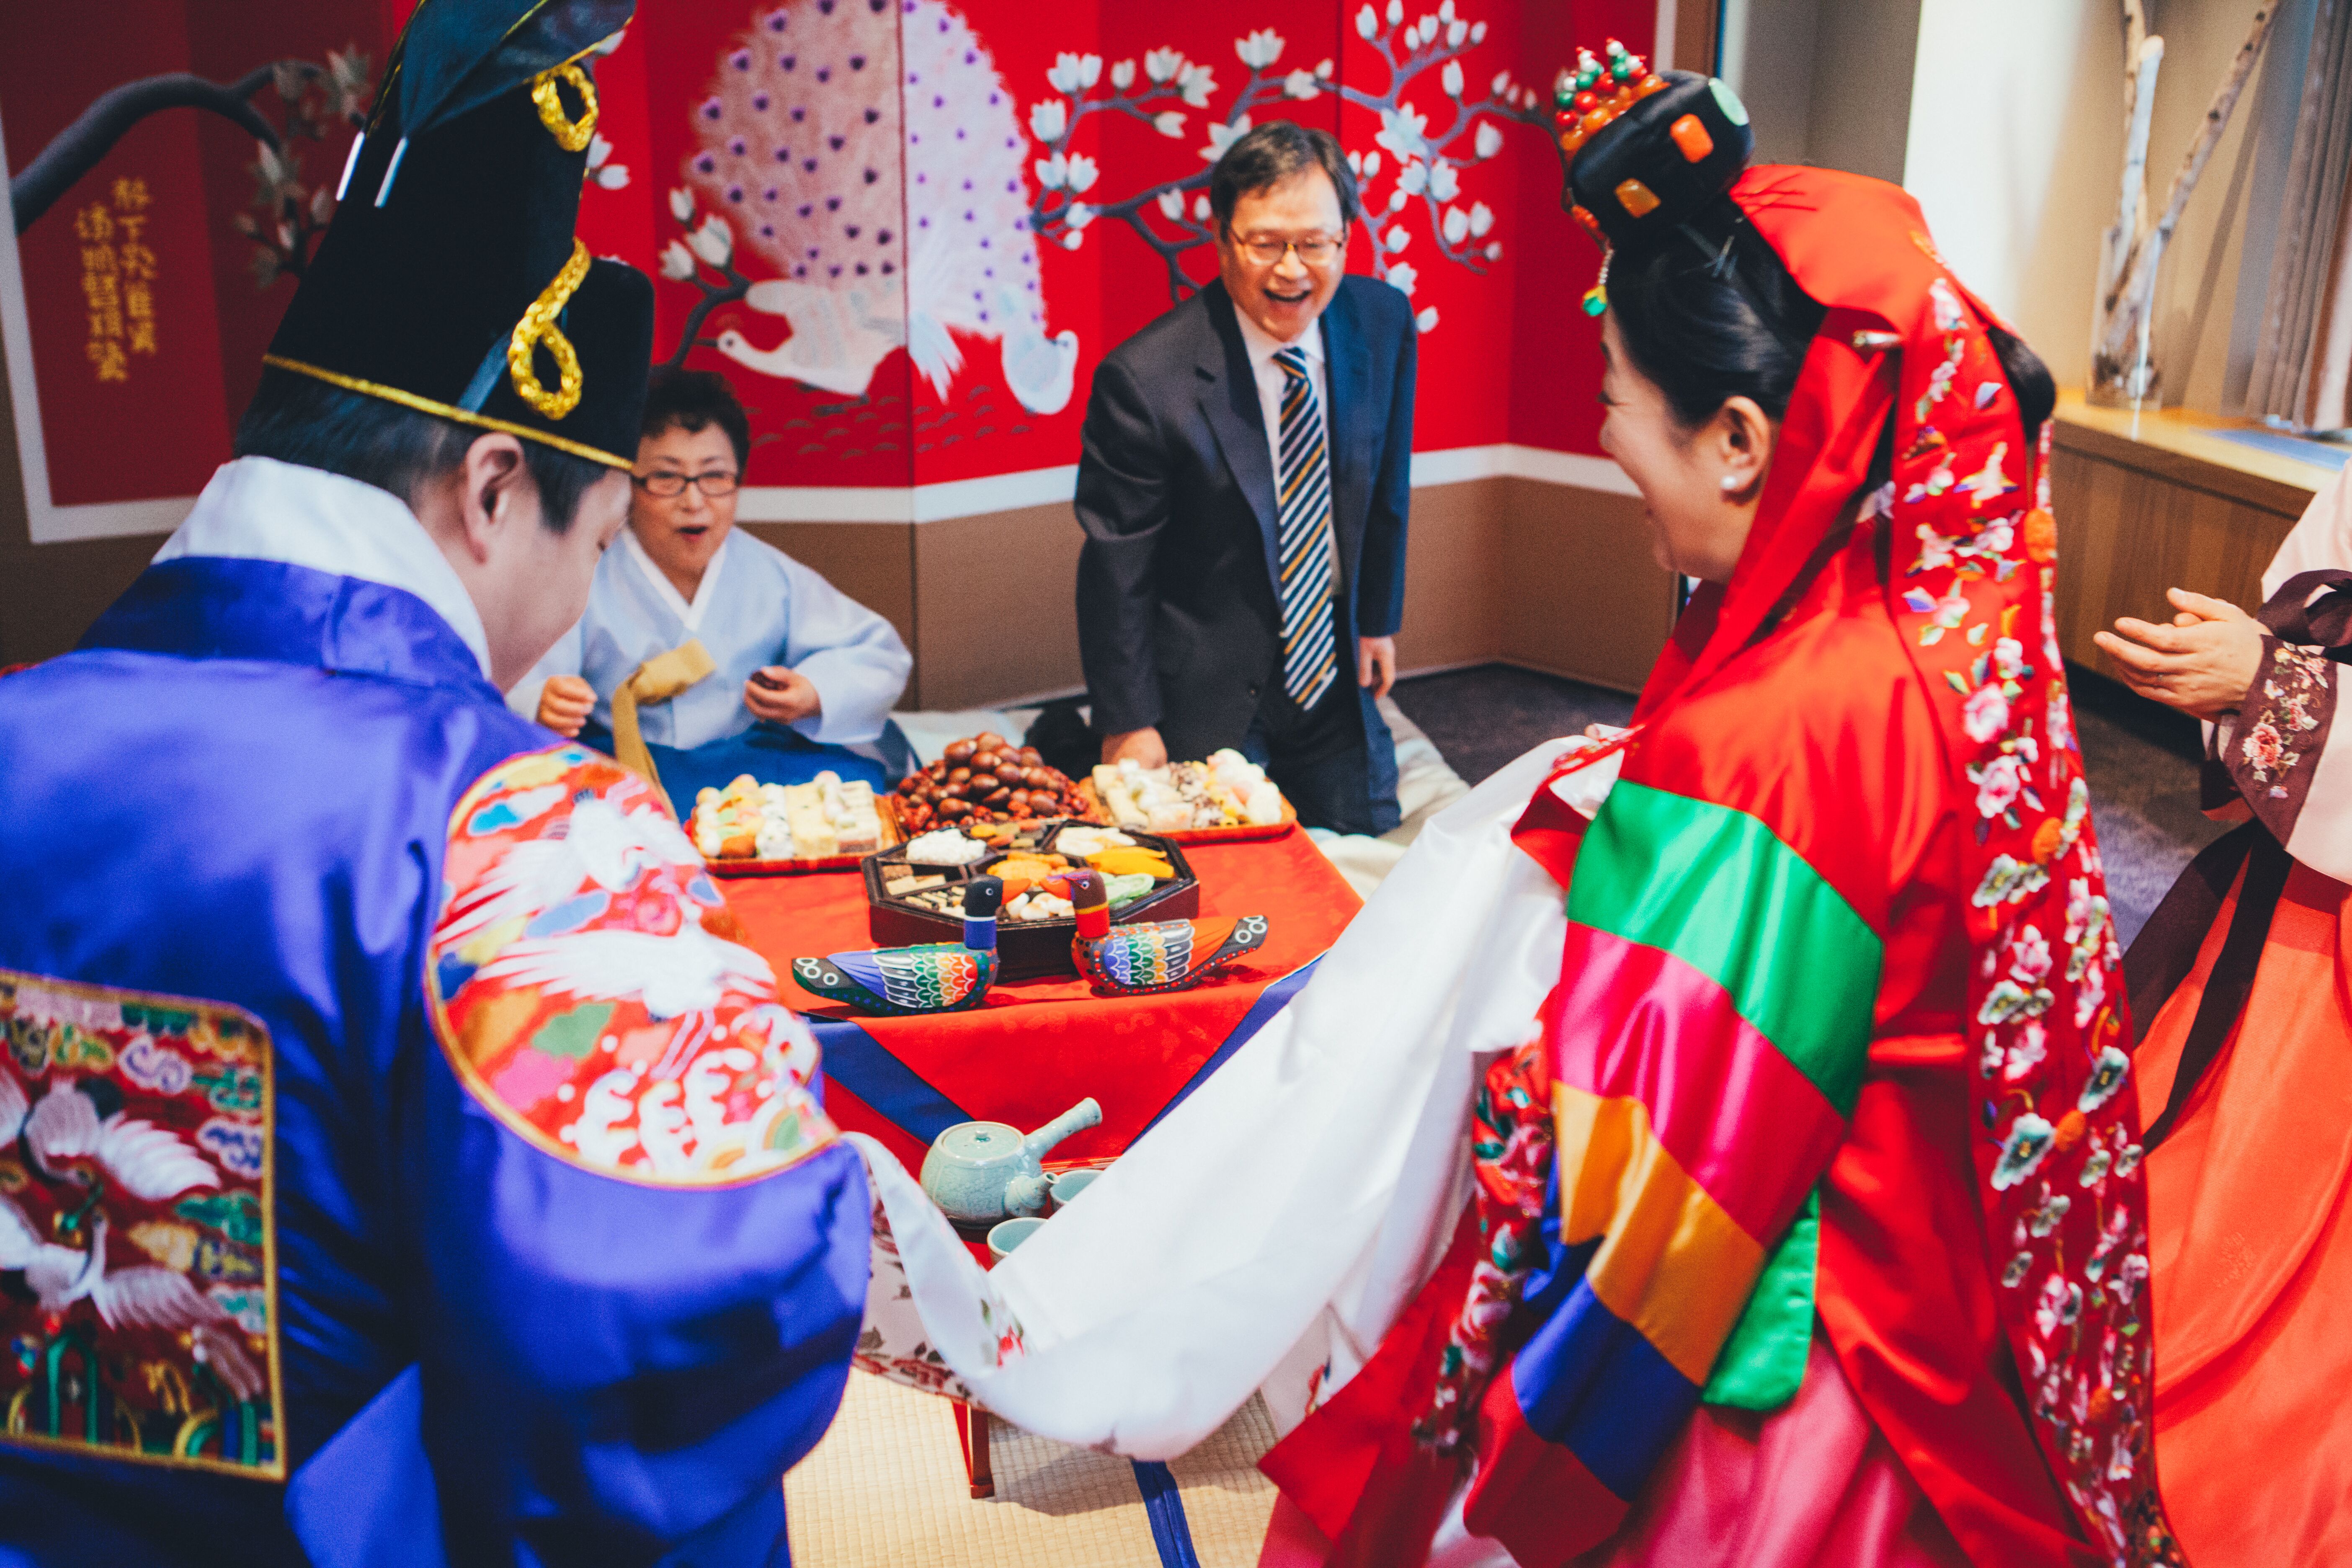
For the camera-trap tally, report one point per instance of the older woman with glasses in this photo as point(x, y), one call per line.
point(705, 654)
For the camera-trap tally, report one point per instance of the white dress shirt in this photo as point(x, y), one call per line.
point(1272, 378)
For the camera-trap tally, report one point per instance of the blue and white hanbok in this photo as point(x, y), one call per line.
point(755, 607)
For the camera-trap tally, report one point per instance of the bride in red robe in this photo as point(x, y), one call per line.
point(1811, 1231)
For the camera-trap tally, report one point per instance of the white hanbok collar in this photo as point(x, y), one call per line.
point(690, 614)
point(259, 509)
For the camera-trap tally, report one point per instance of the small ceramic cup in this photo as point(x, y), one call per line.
point(1004, 1238)
point(1068, 1184)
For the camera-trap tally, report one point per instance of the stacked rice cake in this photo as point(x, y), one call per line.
point(751, 821)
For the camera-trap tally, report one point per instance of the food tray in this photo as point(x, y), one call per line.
point(1239, 833)
point(884, 807)
point(1026, 949)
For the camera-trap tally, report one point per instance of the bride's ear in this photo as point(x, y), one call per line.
point(1743, 437)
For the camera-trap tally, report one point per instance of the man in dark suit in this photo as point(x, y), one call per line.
point(1243, 484)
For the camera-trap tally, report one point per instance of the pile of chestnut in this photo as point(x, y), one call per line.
point(985, 779)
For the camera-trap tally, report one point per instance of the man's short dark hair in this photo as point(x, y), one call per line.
point(1271, 153)
point(692, 401)
point(297, 418)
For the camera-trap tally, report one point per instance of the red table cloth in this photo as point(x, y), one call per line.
point(1035, 1047)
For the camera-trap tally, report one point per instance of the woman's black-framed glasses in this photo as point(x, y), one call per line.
point(669, 486)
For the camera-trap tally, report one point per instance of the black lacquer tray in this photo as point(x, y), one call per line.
point(1026, 949)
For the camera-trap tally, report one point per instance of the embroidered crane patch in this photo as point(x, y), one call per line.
point(589, 985)
point(138, 1258)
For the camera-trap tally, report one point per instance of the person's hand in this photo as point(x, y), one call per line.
point(2202, 664)
point(1144, 746)
point(781, 695)
point(1376, 664)
point(564, 704)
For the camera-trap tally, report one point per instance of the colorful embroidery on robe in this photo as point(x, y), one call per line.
point(2274, 734)
point(137, 1228)
point(589, 988)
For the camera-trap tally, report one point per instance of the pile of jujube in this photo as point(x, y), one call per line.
point(985, 779)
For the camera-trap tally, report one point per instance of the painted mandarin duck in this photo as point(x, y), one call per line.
point(934, 977)
point(1152, 956)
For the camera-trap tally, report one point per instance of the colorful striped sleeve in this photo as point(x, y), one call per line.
point(1707, 1041)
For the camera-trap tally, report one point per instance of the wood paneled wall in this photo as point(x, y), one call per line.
point(1537, 574)
point(2134, 520)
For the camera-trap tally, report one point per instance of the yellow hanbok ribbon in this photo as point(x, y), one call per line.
point(658, 680)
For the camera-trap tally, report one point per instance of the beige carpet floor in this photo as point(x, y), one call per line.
point(885, 1489)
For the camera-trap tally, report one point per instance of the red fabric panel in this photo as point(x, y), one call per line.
point(1036, 1047)
point(1812, 1486)
point(1353, 1467)
point(1907, 1300)
point(1546, 1505)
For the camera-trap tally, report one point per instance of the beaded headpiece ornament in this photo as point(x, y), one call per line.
point(1644, 152)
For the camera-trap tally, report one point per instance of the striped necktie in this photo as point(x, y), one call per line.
point(1303, 539)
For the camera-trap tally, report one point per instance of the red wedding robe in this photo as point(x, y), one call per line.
point(1904, 1297)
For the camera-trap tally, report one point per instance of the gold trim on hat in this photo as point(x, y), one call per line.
point(570, 134)
point(449, 411)
point(537, 326)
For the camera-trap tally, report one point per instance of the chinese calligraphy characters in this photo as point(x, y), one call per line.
point(118, 278)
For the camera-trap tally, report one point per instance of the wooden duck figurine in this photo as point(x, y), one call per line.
point(1152, 956)
point(933, 977)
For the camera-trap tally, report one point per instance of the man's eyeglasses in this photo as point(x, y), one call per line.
point(669, 486)
point(1267, 249)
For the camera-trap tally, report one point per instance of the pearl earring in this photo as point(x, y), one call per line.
point(1730, 483)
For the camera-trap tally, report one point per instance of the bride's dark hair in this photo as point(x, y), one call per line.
point(1714, 315)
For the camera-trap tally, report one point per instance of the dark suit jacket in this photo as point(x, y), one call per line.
point(1178, 624)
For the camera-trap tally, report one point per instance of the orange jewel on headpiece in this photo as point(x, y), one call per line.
point(1636, 198)
point(1691, 138)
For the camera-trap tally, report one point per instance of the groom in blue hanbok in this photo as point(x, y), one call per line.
point(401, 1159)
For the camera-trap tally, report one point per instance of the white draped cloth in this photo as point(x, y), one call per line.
point(1275, 1222)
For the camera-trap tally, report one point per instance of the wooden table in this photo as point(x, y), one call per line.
point(2159, 501)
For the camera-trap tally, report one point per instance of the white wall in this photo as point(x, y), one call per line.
point(2014, 153)
point(1827, 81)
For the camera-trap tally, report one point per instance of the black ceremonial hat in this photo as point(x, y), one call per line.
point(450, 280)
point(1646, 158)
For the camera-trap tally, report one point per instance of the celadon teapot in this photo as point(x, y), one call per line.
point(979, 1172)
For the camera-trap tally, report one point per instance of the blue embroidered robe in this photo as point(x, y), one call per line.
point(240, 789)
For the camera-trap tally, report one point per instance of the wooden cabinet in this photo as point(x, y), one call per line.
point(2167, 506)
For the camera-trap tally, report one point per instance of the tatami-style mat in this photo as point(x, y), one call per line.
point(887, 1489)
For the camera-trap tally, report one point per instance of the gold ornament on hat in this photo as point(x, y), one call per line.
point(537, 326)
point(570, 134)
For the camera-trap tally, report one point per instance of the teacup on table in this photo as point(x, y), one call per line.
point(1066, 1185)
point(1009, 1233)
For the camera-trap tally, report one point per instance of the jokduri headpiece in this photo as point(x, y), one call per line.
point(450, 280)
point(1674, 144)
point(1904, 363)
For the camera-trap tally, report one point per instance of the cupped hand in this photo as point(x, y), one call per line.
point(2202, 664)
point(786, 696)
point(565, 702)
point(1376, 664)
point(1144, 746)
